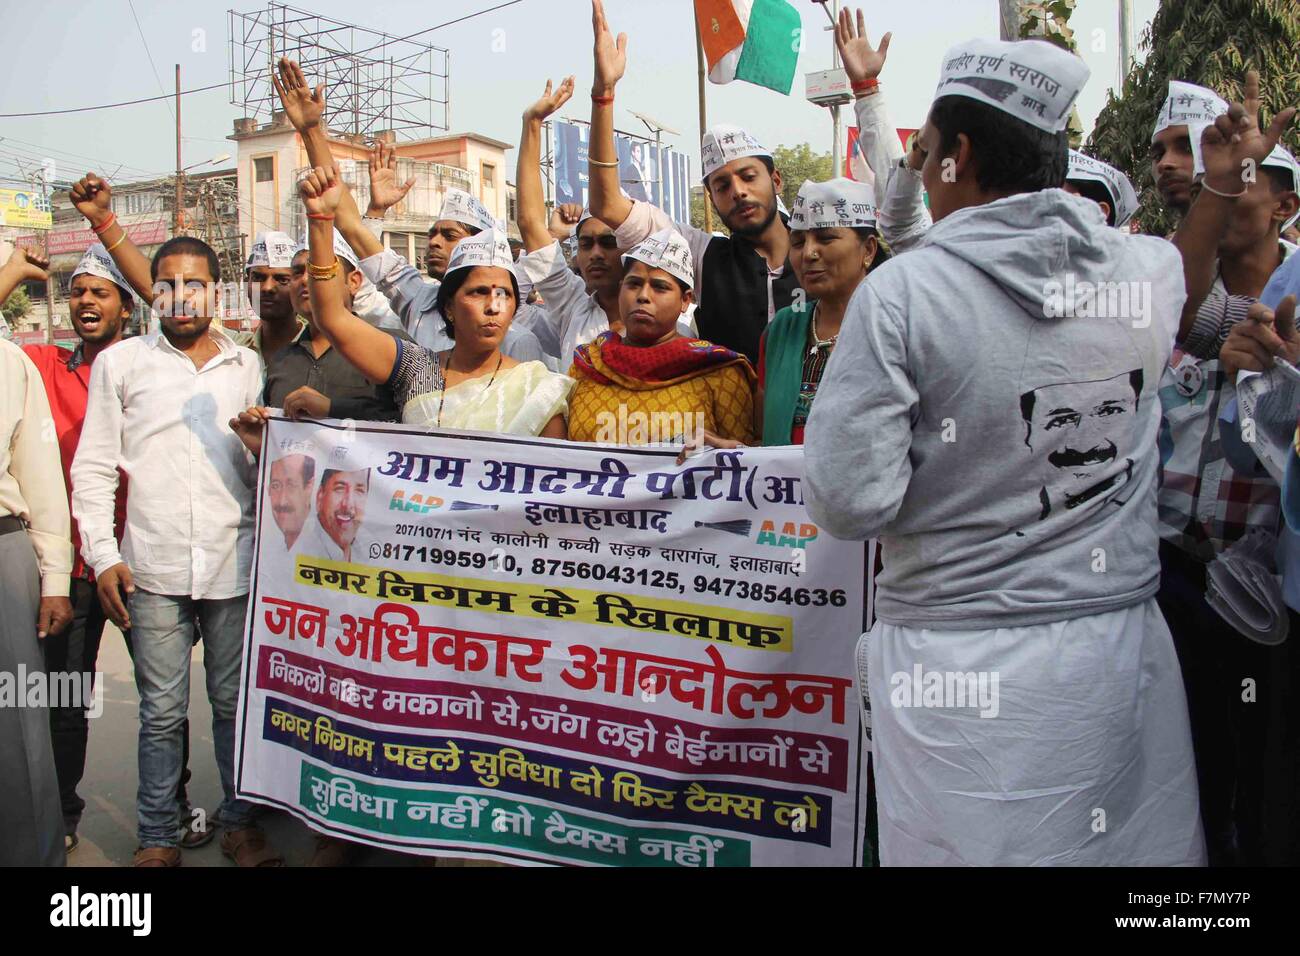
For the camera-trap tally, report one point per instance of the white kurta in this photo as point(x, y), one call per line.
point(1085, 760)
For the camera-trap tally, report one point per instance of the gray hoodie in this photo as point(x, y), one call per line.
point(990, 412)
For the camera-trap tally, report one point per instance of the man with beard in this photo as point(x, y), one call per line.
point(340, 509)
point(1186, 106)
point(1241, 195)
point(157, 411)
point(268, 274)
point(741, 281)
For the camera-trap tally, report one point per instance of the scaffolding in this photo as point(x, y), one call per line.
point(374, 83)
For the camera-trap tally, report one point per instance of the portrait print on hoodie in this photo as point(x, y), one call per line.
point(1089, 431)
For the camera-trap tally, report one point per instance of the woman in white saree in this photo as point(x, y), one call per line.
point(471, 387)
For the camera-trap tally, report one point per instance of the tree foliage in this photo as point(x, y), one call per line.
point(17, 305)
point(1212, 43)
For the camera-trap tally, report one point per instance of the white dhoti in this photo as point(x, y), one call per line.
point(1063, 744)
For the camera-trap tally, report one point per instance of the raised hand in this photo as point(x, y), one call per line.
point(563, 220)
point(550, 102)
point(93, 199)
point(28, 265)
point(611, 54)
point(1233, 145)
point(321, 190)
point(384, 189)
point(303, 105)
point(861, 60)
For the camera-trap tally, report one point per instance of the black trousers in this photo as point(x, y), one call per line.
point(75, 651)
point(1245, 719)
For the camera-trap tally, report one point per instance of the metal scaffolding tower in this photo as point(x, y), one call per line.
point(373, 82)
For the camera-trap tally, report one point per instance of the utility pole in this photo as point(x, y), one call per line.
point(704, 122)
point(1125, 30)
point(1009, 17)
point(837, 156)
point(178, 214)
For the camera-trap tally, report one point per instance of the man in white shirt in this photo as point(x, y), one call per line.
point(35, 573)
point(158, 409)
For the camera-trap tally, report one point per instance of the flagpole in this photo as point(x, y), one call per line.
point(699, 57)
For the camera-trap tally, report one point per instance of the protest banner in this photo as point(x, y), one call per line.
point(539, 651)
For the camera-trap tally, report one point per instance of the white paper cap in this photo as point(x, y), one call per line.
point(488, 248)
point(1188, 104)
point(667, 250)
point(834, 203)
point(1123, 197)
point(1035, 81)
point(341, 249)
point(274, 250)
point(97, 262)
point(460, 206)
point(724, 143)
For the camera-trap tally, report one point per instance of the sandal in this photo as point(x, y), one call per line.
point(248, 847)
point(194, 829)
point(157, 856)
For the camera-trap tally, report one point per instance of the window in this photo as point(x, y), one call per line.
point(489, 174)
point(263, 169)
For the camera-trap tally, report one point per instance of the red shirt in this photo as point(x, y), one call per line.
point(67, 383)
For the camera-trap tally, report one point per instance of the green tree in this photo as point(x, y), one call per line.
point(797, 163)
point(1212, 43)
point(17, 305)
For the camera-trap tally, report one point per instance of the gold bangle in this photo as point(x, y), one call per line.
point(323, 273)
point(121, 239)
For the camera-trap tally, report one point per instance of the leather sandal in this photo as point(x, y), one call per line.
point(248, 847)
point(157, 856)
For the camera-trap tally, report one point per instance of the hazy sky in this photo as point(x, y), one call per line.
point(82, 53)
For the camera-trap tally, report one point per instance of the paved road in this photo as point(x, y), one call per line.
point(109, 786)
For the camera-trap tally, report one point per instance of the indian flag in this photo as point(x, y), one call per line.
point(756, 41)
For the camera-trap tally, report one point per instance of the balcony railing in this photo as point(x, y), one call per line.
point(418, 209)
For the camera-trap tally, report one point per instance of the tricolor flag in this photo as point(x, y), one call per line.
point(756, 41)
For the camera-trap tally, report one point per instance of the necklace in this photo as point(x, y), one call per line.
point(443, 397)
point(819, 343)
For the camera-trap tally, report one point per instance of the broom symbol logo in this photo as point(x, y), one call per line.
point(740, 527)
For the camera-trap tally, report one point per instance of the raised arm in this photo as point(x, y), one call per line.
point(605, 198)
point(94, 200)
point(528, 176)
point(372, 352)
point(1230, 147)
point(305, 108)
point(23, 266)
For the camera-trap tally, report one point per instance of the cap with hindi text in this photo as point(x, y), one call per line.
point(1035, 81)
point(835, 203)
point(97, 262)
point(667, 250)
point(722, 144)
point(489, 248)
point(1188, 104)
point(1123, 197)
point(460, 206)
point(274, 250)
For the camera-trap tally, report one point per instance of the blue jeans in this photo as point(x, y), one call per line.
point(162, 629)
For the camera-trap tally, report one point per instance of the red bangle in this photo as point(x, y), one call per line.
point(602, 100)
point(322, 216)
point(112, 218)
point(862, 86)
